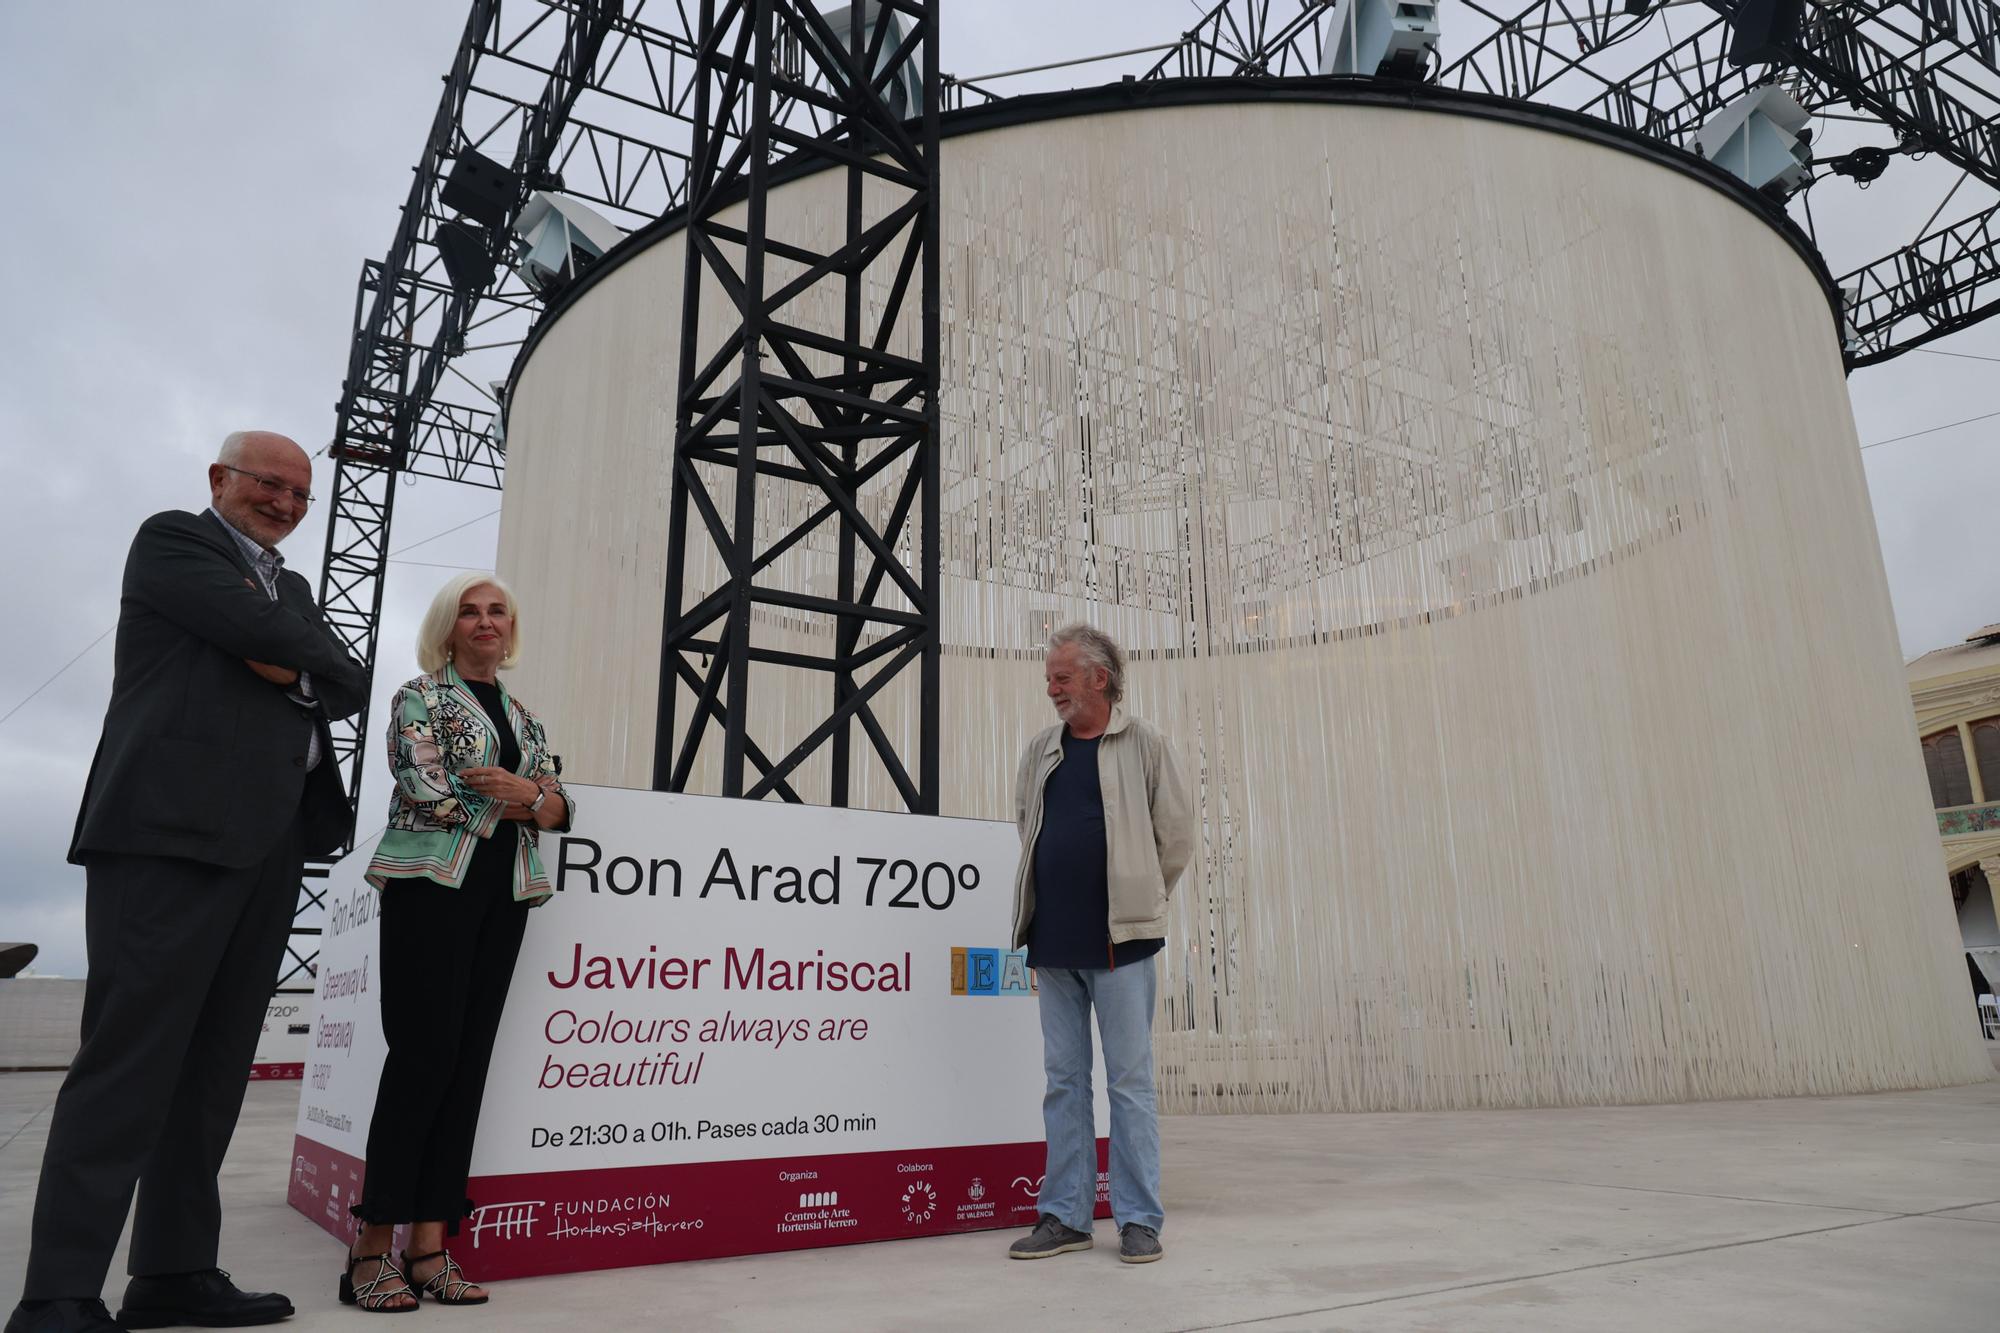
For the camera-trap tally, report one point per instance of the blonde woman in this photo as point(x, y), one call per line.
point(458, 868)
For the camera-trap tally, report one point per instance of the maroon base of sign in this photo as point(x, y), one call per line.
point(616, 1217)
point(278, 1070)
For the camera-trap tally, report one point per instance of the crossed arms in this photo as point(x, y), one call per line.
point(177, 570)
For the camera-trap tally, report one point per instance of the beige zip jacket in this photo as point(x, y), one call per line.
point(1148, 824)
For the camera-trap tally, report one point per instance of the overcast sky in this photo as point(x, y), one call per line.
point(191, 190)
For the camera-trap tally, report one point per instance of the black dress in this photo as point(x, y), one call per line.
point(447, 959)
point(493, 860)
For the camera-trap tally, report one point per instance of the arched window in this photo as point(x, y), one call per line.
point(1986, 753)
point(1944, 760)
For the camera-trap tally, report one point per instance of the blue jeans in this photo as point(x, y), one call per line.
point(1123, 998)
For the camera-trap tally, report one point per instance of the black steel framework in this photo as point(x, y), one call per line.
point(1248, 38)
point(412, 322)
point(599, 99)
point(1925, 72)
point(776, 406)
point(549, 74)
point(1944, 281)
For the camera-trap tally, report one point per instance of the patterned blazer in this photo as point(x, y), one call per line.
point(436, 730)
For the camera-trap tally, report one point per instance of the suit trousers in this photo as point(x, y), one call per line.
point(447, 962)
point(183, 961)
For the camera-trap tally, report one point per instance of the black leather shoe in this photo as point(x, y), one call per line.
point(206, 1299)
point(64, 1316)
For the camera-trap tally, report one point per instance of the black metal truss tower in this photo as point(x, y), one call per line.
point(596, 97)
point(408, 408)
point(845, 423)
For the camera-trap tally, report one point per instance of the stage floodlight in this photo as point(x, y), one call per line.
point(1388, 38)
point(559, 238)
point(1850, 336)
point(905, 91)
point(1762, 31)
point(499, 433)
point(1863, 165)
point(467, 254)
point(1762, 138)
point(481, 189)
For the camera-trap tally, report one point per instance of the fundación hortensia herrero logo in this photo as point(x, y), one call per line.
point(505, 1221)
point(991, 972)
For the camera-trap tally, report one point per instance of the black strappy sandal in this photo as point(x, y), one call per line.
point(448, 1285)
point(375, 1294)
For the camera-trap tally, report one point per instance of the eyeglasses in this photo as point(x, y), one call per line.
point(272, 487)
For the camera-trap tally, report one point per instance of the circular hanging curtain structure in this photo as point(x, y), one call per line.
point(1477, 496)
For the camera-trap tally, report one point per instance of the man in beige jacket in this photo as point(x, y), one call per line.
point(1106, 829)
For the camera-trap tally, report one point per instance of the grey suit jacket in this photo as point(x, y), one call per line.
point(201, 758)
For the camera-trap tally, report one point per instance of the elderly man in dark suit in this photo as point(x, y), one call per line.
point(213, 781)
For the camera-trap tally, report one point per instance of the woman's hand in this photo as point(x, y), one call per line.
point(554, 808)
point(500, 785)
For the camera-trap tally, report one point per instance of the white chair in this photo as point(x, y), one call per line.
point(1989, 1017)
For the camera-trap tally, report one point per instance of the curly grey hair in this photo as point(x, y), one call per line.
point(1095, 648)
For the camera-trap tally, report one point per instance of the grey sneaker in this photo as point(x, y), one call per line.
point(1048, 1239)
point(1138, 1245)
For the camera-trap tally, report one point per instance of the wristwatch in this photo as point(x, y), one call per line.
point(535, 806)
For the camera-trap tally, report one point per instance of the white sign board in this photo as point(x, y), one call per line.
point(738, 1026)
point(286, 1037)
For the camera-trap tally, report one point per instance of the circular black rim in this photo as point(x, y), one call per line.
point(1150, 94)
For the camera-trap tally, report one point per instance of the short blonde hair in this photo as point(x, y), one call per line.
point(434, 635)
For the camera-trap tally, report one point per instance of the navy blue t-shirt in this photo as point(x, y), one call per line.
point(1071, 926)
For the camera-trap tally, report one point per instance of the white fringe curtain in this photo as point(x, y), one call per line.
point(1482, 510)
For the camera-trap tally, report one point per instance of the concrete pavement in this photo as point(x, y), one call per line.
point(1876, 1214)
